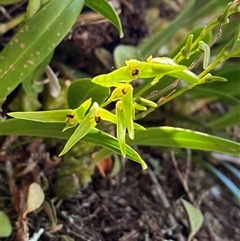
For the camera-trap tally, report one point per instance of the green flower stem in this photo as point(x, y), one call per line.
point(231, 9)
point(224, 54)
point(147, 87)
point(209, 68)
point(164, 101)
point(179, 57)
point(105, 103)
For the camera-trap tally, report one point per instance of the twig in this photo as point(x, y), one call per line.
point(79, 236)
point(108, 212)
point(158, 92)
point(188, 164)
point(202, 198)
point(184, 178)
point(211, 232)
point(164, 199)
point(5, 13)
point(93, 215)
point(16, 6)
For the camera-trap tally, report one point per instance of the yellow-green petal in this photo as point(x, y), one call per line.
point(121, 128)
point(82, 109)
point(85, 126)
point(127, 103)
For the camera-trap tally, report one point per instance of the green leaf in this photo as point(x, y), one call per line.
point(5, 225)
point(35, 41)
point(51, 116)
point(230, 118)
point(105, 9)
point(54, 130)
point(153, 43)
point(24, 101)
point(184, 138)
point(50, 130)
point(153, 67)
point(213, 94)
point(83, 89)
point(28, 84)
point(195, 218)
point(68, 71)
point(51, 212)
point(124, 52)
point(204, 8)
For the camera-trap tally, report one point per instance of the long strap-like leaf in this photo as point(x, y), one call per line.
point(35, 41)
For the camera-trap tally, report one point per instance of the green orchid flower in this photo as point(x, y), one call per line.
point(77, 115)
point(86, 125)
point(152, 68)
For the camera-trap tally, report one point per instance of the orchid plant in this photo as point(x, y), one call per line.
point(129, 105)
point(89, 114)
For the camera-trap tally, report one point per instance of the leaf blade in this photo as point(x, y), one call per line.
point(230, 118)
point(183, 138)
point(105, 9)
point(26, 50)
point(88, 89)
point(195, 218)
point(5, 225)
point(54, 130)
point(51, 116)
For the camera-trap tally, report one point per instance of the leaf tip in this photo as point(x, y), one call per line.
point(61, 153)
point(10, 114)
point(121, 34)
point(144, 165)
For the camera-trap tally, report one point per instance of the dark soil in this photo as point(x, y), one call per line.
point(133, 204)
